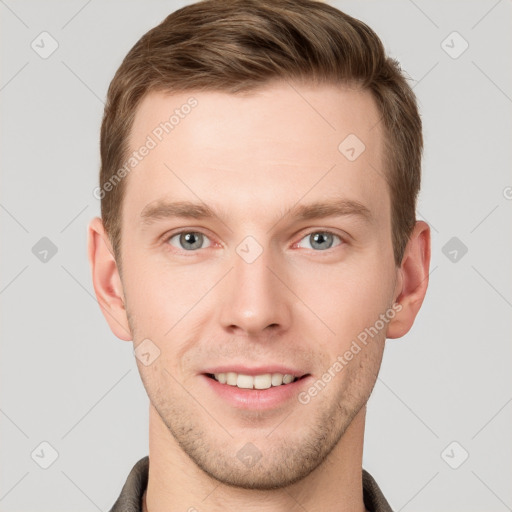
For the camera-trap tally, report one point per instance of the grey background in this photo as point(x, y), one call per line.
point(66, 380)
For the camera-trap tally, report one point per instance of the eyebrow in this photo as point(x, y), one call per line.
point(162, 209)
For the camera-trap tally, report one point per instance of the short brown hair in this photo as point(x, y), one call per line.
point(238, 45)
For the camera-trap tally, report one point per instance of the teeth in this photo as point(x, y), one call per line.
point(287, 379)
point(245, 381)
point(277, 379)
point(263, 381)
point(231, 378)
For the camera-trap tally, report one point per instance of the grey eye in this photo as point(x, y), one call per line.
point(320, 240)
point(189, 240)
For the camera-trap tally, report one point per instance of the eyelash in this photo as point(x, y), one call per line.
point(167, 238)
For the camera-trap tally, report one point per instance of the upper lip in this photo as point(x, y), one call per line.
point(255, 370)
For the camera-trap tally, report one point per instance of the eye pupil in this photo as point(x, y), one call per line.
point(191, 240)
point(321, 240)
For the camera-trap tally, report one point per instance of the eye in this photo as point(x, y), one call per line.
point(319, 240)
point(189, 240)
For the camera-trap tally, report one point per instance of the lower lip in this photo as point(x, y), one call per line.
point(257, 399)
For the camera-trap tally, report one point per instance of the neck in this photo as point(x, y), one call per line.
point(175, 483)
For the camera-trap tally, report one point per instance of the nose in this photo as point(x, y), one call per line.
point(253, 300)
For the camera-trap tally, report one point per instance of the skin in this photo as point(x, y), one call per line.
point(251, 158)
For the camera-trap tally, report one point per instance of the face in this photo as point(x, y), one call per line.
point(253, 247)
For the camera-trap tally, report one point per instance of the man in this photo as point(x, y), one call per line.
point(258, 243)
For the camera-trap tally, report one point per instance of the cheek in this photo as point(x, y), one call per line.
point(348, 297)
point(159, 296)
point(165, 307)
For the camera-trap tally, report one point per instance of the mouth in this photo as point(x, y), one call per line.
point(257, 382)
point(264, 388)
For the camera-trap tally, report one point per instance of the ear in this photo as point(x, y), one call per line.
point(412, 280)
point(106, 280)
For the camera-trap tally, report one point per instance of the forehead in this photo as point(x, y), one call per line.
point(262, 150)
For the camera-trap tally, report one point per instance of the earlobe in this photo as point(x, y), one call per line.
point(106, 280)
point(412, 280)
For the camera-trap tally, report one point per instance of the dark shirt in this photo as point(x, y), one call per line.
point(130, 499)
